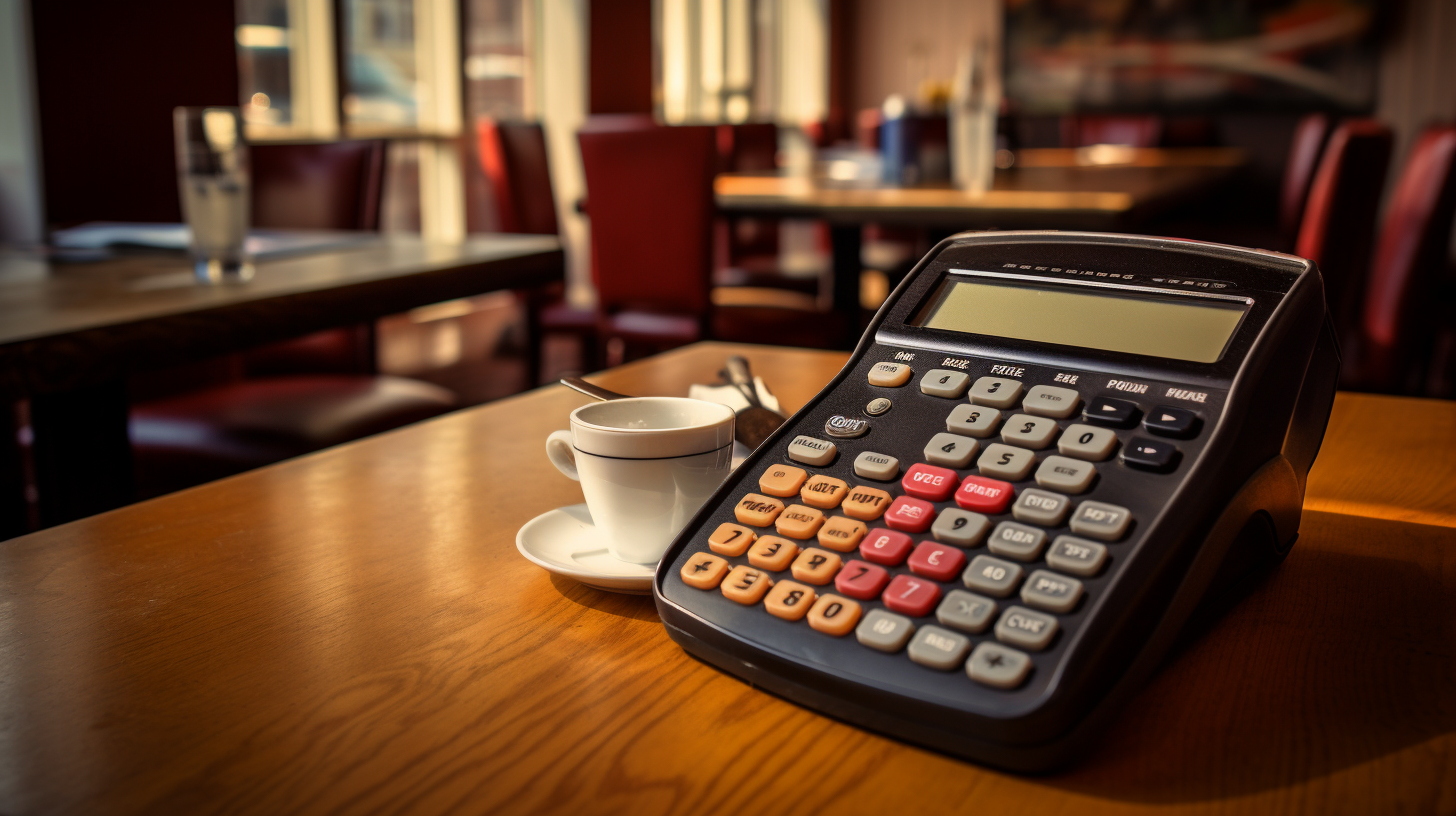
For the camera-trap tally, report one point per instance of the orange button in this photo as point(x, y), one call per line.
point(824, 491)
point(704, 570)
point(798, 521)
point(816, 566)
point(772, 553)
point(759, 511)
point(782, 480)
point(840, 533)
point(865, 503)
point(731, 539)
point(834, 615)
point(789, 600)
point(746, 585)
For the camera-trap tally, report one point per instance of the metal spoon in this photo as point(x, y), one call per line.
point(578, 384)
point(755, 423)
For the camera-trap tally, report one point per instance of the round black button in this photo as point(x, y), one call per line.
point(877, 407)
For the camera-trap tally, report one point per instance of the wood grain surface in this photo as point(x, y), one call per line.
point(68, 326)
point(354, 632)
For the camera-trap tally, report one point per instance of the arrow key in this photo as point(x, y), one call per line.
point(1114, 413)
point(1166, 420)
point(1150, 454)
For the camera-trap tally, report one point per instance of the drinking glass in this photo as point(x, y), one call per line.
point(212, 174)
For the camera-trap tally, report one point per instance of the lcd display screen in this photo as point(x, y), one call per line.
point(1193, 329)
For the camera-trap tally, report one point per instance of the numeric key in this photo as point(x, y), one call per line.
point(1027, 431)
point(997, 392)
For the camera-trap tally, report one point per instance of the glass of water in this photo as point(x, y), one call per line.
point(212, 174)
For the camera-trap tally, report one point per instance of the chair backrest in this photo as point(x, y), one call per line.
point(1304, 154)
point(651, 194)
point(1398, 314)
point(1132, 131)
point(1339, 217)
point(513, 156)
point(749, 147)
point(318, 186)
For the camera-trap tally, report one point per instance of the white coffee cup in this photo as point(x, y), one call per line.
point(645, 464)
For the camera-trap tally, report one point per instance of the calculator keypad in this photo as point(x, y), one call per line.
point(971, 547)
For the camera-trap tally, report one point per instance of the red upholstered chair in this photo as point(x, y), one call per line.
point(651, 236)
point(1339, 217)
point(224, 416)
point(1304, 155)
point(1133, 131)
point(1401, 311)
point(514, 158)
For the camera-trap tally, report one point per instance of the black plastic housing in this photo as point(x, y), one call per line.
point(1231, 506)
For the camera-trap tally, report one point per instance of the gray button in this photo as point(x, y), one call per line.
point(965, 611)
point(885, 631)
point(1105, 522)
point(1050, 591)
point(960, 527)
point(1019, 541)
point(1076, 555)
point(877, 407)
point(942, 382)
point(997, 392)
point(1040, 507)
point(1066, 475)
point(1022, 627)
point(973, 420)
point(939, 648)
point(992, 576)
point(1050, 401)
point(879, 466)
point(845, 427)
point(1087, 442)
point(1005, 462)
point(997, 666)
point(811, 451)
point(950, 450)
point(1027, 431)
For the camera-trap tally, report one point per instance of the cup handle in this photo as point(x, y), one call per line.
point(562, 454)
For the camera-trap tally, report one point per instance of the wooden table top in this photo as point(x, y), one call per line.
point(1049, 188)
point(66, 325)
point(354, 631)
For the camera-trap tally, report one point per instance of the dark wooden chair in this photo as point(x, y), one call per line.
point(651, 193)
point(1402, 310)
point(1305, 149)
point(514, 157)
point(224, 416)
point(1339, 217)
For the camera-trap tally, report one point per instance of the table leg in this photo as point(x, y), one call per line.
point(14, 518)
point(845, 242)
point(83, 462)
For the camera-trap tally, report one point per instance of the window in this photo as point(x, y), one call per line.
point(286, 68)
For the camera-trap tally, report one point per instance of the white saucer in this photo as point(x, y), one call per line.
point(565, 542)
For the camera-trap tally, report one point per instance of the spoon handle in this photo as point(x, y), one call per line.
point(578, 384)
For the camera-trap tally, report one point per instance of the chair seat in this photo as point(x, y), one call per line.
point(230, 428)
point(561, 316)
point(653, 328)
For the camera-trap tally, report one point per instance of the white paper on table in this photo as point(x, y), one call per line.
point(733, 398)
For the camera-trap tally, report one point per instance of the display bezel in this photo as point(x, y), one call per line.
point(941, 292)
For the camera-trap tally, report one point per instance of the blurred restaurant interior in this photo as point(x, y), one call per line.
point(449, 202)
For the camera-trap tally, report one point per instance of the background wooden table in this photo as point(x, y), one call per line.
point(1052, 188)
point(354, 632)
point(71, 333)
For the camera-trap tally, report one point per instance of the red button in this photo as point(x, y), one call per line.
point(860, 580)
point(911, 596)
point(929, 482)
point(935, 560)
point(910, 515)
point(884, 547)
point(984, 495)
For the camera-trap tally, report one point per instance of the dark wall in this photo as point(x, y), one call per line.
point(620, 60)
point(108, 74)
